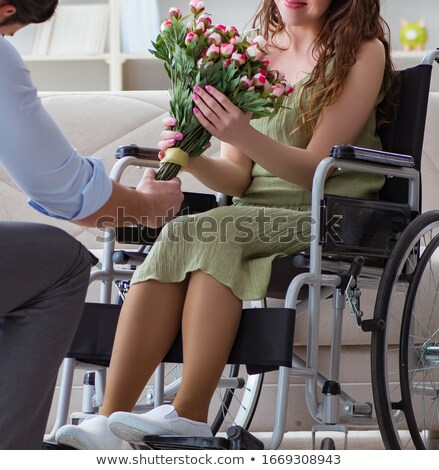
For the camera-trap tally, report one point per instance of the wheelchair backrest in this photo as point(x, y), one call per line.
point(405, 134)
point(371, 228)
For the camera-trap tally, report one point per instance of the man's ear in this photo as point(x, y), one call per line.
point(6, 11)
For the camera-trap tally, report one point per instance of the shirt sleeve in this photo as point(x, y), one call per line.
point(58, 180)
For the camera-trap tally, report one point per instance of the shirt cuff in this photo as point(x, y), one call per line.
point(93, 196)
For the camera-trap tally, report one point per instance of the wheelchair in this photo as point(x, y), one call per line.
point(390, 247)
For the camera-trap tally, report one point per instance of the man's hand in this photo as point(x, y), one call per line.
point(163, 198)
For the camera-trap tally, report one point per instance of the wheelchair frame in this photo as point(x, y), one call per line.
point(337, 409)
point(328, 411)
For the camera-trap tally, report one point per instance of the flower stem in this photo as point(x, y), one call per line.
point(167, 171)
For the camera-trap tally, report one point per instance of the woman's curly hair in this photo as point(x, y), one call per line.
point(348, 24)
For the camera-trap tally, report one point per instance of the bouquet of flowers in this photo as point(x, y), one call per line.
point(196, 52)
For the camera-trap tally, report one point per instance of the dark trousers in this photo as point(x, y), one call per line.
point(44, 275)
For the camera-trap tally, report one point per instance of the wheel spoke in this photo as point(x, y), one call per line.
point(405, 357)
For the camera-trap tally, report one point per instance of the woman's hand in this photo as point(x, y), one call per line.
point(169, 138)
point(218, 115)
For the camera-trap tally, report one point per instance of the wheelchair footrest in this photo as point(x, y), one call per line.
point(55, 446)
point(237, 439)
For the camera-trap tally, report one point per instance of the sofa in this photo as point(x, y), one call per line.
point(97, 123)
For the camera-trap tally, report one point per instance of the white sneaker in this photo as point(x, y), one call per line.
point(92, 434)
point(161, 421)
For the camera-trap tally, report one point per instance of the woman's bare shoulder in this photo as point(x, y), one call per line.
point(371, 50)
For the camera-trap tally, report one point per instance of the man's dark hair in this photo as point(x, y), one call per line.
point(31, 11)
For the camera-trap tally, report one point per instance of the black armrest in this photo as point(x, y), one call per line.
point(132, 150)
point(350, 152)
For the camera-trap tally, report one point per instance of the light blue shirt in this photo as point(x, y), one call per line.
point(60, 182)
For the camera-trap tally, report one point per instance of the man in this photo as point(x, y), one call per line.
point(44, 272)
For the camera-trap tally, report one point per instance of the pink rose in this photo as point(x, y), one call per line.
point(277, 91)
point(273, 75)
point(220, 28)
point(197, 7)
point(204, 19)
point(202, 63)
point(281, 75)
point(213, 52)
point(245, 83)
point(165, 25)
point(259, 80)
point(254, 53)
point(288, 87)
point(239, 59)
point(231, 31)
point(215, 38)
point(190, 38)
point(261, 83)
point(259, 41)
point(175, 12)
point(226, 50)
point(200, 27)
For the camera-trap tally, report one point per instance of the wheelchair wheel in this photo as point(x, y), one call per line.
point(405, 354)
point(236, 406)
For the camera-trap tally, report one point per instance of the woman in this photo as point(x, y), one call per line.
point(336, 54)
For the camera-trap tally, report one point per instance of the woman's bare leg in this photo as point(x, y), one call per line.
point(210, 321)
point(148, 325)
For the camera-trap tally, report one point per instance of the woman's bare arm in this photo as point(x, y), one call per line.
point(340, 123)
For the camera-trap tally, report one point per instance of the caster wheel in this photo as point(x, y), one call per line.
point(327, 444)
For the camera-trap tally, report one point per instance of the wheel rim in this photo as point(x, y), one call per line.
point(419, 364)
point(397, 407)
point(236, 406)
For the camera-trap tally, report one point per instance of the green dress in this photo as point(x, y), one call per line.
point(236, 244)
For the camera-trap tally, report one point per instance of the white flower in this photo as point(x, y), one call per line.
point(254, 53)
point(259, 41)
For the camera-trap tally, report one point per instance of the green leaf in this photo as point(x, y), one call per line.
point(160, 50)
point(183, 64)
point(168, 69)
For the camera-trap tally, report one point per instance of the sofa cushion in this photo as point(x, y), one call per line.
point(96, 123)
